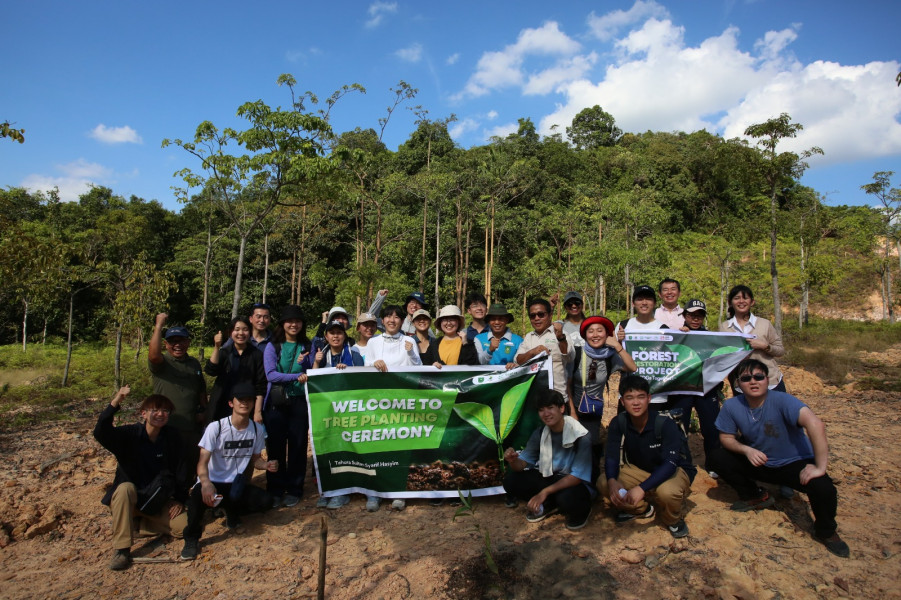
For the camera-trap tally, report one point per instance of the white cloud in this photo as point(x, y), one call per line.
point(492, 115)
point(501, 131)
point(453, 58)
point(377, 11)
point(411, 54)
point(115, 135)
point(659, 83)
point(566, 69)
point(504, 68)
point(462, 127)
point(606, 26)
point(76, 179)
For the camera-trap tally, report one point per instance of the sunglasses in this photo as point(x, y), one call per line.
point(572, 304)
point(537, 315)
point(755, 377)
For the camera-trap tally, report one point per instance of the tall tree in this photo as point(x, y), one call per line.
point(779, 170)
point(284, 150)
point(593, 128)
point(889, 199)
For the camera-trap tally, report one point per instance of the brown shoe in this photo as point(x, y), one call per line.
point(121, 560)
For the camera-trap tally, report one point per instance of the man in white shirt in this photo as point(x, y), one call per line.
point(545, 338)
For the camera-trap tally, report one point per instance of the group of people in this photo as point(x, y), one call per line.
point(191, 453)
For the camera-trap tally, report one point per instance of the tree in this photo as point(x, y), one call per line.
point(284, 150)
point(593, 128)
point(780, 171)
point(889, 199)
point(6, 130)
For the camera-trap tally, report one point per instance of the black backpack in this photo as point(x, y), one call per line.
point(659, 420)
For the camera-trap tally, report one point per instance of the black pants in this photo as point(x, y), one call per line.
point(573, 502)
point(252, 500)
point(288, 428)
point(708, 409)
point(737, 471)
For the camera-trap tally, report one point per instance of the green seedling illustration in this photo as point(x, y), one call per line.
point(481, 417)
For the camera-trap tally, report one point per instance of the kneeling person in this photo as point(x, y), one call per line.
point(772, 436)
point(647, 458)
point(553, 472)
point(226, 448)
point(151, 480)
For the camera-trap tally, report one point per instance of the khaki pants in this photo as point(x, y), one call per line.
point(122, 505)
point(667, 497)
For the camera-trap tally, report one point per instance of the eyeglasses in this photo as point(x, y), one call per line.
point(159, 411)
point(593, 369)
point(537, 315)
point(755, 377)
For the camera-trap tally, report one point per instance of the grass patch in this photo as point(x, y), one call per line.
point(31, 389)
point(836, 352)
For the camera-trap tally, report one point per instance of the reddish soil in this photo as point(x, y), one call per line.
point(55, 534)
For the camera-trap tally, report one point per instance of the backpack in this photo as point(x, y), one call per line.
point(684, 452)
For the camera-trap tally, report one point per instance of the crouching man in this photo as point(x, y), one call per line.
point(151, 479)
point(763, 436)
point(553, 472)
point(647, 460)
point(226, 448)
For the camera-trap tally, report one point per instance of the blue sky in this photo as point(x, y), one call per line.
point(98, 85)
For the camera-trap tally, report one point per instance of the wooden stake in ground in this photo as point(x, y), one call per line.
point(323, 544)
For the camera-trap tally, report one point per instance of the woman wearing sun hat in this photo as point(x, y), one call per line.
point(600, 356)
point(452, 349)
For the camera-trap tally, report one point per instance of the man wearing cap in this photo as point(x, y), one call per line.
point(227, 448)
point(178, 377)
point(547, 338)
point(151, 480)
point(498, 345)
point(708, 405)
point(669, 313)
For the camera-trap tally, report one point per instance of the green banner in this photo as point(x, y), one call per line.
point(419, 431)
point(691, 362)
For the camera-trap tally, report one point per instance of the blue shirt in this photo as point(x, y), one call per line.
point(506, 349)
point(771, 428)
point(575, 460)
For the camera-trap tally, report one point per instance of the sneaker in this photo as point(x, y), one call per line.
point(399, 504)
point(322, 502)
point(510, 501)
point(679, 529)
point(786, 492)
point(624, 516)
point(290, 500)
point(276, 501)
point(835, 545)
point(713, 474)
point(759, 503)
point(436, 501)
point(191, 549)
point(232, 522)
point(336, 502)
point(541, 515)
point(121, 559)
point(575, 526)
point(372, 503)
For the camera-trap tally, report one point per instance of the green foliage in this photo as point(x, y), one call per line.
point(593, 128)
point(468, 509)
point(7, 130)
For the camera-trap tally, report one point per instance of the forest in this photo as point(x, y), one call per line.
point(289, 211)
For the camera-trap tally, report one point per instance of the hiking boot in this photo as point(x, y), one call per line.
point(336, 502)
point(835, 545)
point(574, 525)
point(191, 549)
point(372, 503)
point(678, 529)
point(290, 500)
point(625, 517)
point(759, 503)
point(541, 515)
point(121, 559)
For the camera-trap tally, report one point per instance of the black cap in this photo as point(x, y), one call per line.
point(644, 291)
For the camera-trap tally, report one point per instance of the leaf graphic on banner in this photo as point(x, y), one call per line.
point(511, 408)
point(479, 416)
point(728, 350)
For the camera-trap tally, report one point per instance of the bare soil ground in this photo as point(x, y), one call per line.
point(55, 534)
